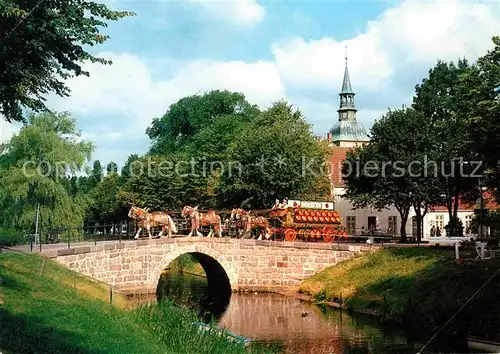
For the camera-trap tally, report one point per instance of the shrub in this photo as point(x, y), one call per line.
point(455, 227)
point(11, 237)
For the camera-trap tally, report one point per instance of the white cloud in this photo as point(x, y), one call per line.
point(387, 60)
point(7, 129)
point(116, 103)
point(244, 13)
point(413, 33)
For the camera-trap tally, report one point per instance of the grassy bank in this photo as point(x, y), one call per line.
point(420, 287)
point(47, 308)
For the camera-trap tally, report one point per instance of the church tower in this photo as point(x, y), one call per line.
point(347, 132)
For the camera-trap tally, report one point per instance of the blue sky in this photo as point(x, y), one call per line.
point(269, 50)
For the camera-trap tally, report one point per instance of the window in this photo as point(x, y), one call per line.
point(351, 225)
point(372, 222)
point(392, 225)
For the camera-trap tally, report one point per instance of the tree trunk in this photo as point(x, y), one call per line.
point(418, 216)
point(403, 212)
point(455, 205)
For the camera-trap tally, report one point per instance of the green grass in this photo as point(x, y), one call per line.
point(420, 287)
point(62, 312)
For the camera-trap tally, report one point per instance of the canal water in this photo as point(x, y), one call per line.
point(299, 326)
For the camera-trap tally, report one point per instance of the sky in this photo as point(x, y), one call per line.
point(268, 50)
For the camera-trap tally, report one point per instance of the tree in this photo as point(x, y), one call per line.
point(193, 114)
point(393, 168)
point(275, 157)
point(483, 98)
point(112, 167)
point(41, 44)
point(162, 183)
point(127, 167)
point(442, 98)
point(107, 206)
point(45, 151)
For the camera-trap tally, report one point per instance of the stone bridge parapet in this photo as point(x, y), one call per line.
point(247, 264)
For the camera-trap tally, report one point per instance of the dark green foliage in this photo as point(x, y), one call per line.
point(11, 237)
point(455, 227)
point(196, 114)
point(106, 206)
point(42, 44)
point(483, 97)
point(279, 134)
point(112, 167)
point(443, 99)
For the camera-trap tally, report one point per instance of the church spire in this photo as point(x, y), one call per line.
point(347, 110)
point(346, 85)
point(347, 131)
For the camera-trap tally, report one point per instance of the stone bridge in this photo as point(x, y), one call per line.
point(230, 264)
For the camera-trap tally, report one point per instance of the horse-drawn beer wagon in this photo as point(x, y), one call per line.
point(307, 221)
point(291, 221)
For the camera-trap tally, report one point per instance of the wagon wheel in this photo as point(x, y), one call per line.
point(290, 234)
point(328, 234)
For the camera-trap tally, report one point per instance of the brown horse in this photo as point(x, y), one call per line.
point(147, 220)
point(250, 222)
point(202, 219)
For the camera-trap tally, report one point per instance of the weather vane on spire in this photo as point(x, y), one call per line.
point(345, 55)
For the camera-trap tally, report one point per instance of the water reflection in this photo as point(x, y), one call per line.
point(193, 291)
point(304, 328)
point(301, 326)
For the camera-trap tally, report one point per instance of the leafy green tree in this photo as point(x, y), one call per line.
point(395, 168)
point(107, 206)
point(41, 44)
point(112, 167)
point(126, 169)
point(190, 115)
point(442, 98)
point(483, 98)
point(275, 157)
point(163, 183)
point(45, 151)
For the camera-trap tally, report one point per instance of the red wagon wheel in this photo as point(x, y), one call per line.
point(328, 234)
point(290, 235)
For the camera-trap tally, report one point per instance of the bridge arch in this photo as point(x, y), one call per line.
point(221, 274)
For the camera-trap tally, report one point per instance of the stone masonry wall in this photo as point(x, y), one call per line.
point(249, 264)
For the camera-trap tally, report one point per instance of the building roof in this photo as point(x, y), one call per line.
point(335, 159)
point(349, 130)
point(463, 205)
point(346, 84)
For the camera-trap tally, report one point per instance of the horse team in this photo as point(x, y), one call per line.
point(245, 222)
